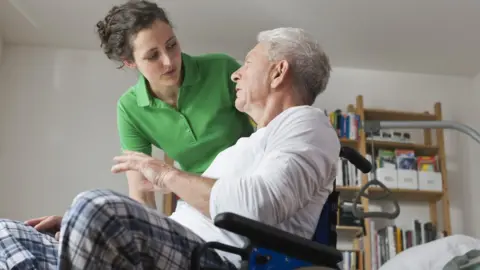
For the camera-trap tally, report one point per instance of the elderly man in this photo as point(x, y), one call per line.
point(281, 175)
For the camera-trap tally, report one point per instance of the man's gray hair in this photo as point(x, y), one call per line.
point(310, 65)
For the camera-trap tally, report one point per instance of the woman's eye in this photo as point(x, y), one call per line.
point(153, 56)
point(170, 46)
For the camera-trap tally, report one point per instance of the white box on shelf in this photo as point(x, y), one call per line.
point(388, 177)
point(407, 179)
point(431, 181)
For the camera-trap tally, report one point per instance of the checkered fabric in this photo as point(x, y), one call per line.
point(23, 247)
point(104, 230)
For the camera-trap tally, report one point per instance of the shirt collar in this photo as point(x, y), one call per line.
point(191, 77)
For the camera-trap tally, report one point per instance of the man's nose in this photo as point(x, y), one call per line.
point(235, 76)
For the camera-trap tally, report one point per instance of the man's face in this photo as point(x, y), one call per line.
point(252, 80)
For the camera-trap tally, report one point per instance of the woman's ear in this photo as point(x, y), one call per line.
point(279, 73)
point(129, 64)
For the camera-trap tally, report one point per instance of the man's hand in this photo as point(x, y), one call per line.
point(46, 224)
point(154, 170)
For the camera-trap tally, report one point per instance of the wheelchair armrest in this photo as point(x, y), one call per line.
point(262, 235)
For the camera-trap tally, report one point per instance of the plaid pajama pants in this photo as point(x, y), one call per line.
point(103, 230)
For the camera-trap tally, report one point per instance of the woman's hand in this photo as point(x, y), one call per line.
point(154, 170)
point(47, 224)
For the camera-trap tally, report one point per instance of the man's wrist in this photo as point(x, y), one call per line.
point(171, 176)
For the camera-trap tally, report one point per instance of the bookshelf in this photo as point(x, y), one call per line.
point(427, 148)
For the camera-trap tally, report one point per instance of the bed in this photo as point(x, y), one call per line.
point(448, 253)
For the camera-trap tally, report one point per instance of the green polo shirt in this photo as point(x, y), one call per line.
point(204, 123)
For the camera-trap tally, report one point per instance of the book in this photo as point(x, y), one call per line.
point(386, 159)
point(390, 240)
point(427, 164)
point(405, 159)
point(346, 124)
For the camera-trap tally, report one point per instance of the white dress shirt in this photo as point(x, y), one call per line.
point(281, 175)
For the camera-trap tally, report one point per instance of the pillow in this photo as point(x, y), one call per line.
point(433, 255)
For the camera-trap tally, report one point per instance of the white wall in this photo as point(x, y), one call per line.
point(1, 48)
point(469, 163)
point(58, 130)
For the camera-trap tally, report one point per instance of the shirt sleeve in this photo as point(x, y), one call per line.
point(299, 163)
point(130, 137)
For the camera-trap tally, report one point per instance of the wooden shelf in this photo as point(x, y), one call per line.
point(355, 230)
point(420, 149)
point(349, 143)
point(388, 115)
point(350, 249)
point(425, 148)
point(411, 195)
point(398, 194)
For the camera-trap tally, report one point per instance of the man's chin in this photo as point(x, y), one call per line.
point(240, 106)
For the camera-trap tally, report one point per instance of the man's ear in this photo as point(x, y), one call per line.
point(279, 73)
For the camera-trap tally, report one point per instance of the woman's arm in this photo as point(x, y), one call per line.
point(131, 139)
point(135, 180)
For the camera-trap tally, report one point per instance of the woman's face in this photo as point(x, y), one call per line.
point(157, 55)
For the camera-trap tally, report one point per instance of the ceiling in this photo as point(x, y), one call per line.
point(428, 36)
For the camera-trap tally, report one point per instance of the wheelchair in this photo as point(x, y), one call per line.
point(271, 248)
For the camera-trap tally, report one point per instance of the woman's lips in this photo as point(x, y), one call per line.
point(170, 73)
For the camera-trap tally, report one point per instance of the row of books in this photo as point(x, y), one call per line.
point(347, 124)
point(386, 242)
point(405, 159)
point(352, 260)
point(348, 175)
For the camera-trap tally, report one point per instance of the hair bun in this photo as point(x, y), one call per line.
point(102, 31)
point(124, 21)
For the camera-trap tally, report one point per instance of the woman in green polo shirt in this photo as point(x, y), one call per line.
point(181, 104)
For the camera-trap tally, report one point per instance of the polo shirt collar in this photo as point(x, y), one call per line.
point(191, 73)
point(143, 96)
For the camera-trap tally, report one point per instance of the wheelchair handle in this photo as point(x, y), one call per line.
point(362, 193)
point(360, 214)
point(354, 157)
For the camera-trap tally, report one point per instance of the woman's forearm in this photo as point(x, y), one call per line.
point(144, 197)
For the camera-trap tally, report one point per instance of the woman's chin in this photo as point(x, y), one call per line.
point(170, 80)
